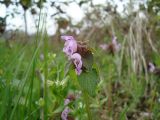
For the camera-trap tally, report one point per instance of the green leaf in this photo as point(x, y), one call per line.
point(88, 81)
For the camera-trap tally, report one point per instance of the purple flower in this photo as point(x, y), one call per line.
point(112, 47)
point(70, 49)
point(76, 57)
point(65, 113)
point(66, 101)
point(116, 45)
point(67, 37)
point(103, 46)
point(151, 67)
point(70, 45)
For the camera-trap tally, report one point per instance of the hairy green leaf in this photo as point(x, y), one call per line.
point(88, 81)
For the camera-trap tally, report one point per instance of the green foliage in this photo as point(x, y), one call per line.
point(88, 81)
point(154, 6)
point(36, 77)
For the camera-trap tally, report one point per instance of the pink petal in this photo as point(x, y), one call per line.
point(67, 37)
point(103, 46)
point(116, 45)
point(70, 47)
point(114, 40)
point(76, 57)
point(78, 71)
point(151, 67)
point(65, 113)
point(67, 101)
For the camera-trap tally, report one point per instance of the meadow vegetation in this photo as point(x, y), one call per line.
point(119, 80)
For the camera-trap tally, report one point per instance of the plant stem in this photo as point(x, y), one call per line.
point(45, 75)
point(86, 99)
point(25, 21)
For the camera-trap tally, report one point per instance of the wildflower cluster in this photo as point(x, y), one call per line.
point(70, 49)
point(82, 57)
